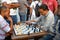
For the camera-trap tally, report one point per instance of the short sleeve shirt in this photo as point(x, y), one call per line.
point(15, 11)
point(33, 5)
point(12, 11)
point(4, 27)
point(52, 4)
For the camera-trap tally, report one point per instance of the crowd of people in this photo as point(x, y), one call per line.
point(39, 12)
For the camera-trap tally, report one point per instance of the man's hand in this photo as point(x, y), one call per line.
point(26, 5)
point(18, 23)
point(8, 34)
point(11, 23)
point(28, 22)
point(10, 19)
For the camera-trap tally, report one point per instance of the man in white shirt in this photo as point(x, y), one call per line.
point(46, 22)
point(13, 4)
point(5, 29)
point(32, 8)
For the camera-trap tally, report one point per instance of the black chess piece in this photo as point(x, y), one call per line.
point(28, 33)
point(39, 29)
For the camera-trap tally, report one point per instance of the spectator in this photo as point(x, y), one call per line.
point(13, 5)
point(32, 8)
point(28, 9)
point(5, 29)
point(52, 5)
point(58, 15)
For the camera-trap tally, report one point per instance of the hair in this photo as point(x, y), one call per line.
point(44, 7)
point(28, 0)
point(2, 8)
point(34, 0)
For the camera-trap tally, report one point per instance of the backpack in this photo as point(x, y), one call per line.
point(36, 10)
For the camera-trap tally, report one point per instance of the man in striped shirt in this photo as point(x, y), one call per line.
point(5, 28)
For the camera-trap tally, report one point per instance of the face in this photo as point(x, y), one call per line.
point(6, 13)
point(42, 12)
point(4, 4)
point(30, 1)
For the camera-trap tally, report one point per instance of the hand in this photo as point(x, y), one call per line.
point(18, 23)
point(28, 22)
point(8, 34)
point(26, 5)
point(10, 19)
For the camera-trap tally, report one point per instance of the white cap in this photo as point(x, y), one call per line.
point(8, 2)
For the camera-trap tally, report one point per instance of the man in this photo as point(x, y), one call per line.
point(52, 5)
point(32, 8)
point(5, 28)
point(28, 9)
point(46, 22)
point(13, 5)
point(22, 10)
point(58, 15)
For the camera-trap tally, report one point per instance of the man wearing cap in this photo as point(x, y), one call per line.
point(5, 28)
point(13, 5)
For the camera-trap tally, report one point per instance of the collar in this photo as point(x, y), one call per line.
point(47, 14)
point(1, 17)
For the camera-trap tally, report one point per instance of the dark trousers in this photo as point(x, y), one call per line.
point(59, 27)
point(14, 18)
point(8, 38)
point(59, 24)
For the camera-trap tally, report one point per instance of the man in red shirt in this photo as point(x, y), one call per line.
point(52, 5)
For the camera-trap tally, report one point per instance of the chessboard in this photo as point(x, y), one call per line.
point(25, 29)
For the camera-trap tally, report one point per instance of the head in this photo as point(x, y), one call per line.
point(34, 0)
point(4, 3)
point(30, 1)
point(43, 9)
point(4, 11)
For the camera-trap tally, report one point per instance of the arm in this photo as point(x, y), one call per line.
point(11, 22)
point(29, 8)
point(55, 6)
point(34, 21)
point(31, 11)
point(12, 5)
point(6, 28)
point(11, 26)
point(18, 17)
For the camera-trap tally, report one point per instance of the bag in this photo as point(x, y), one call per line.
point(36, 10)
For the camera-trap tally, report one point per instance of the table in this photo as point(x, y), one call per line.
point(26, 37)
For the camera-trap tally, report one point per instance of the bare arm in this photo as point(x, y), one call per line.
point(12, 5)
point(55, 6)
point(55, 11)
point(11, 26)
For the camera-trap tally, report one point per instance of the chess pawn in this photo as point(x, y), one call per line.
point(28, 33)
point(35, 30)
point(32, 27)
point(39, 29)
